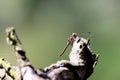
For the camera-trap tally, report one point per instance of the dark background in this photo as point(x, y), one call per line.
point(44, 26)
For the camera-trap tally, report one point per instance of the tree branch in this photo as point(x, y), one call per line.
point(80, 66)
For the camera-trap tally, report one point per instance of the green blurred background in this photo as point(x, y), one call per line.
point(44, 26)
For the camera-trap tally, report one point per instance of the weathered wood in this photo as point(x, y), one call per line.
point(79, 67)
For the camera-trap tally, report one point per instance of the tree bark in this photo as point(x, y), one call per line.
point(80, 66)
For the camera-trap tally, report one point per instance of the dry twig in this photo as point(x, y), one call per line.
point(79, 67)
